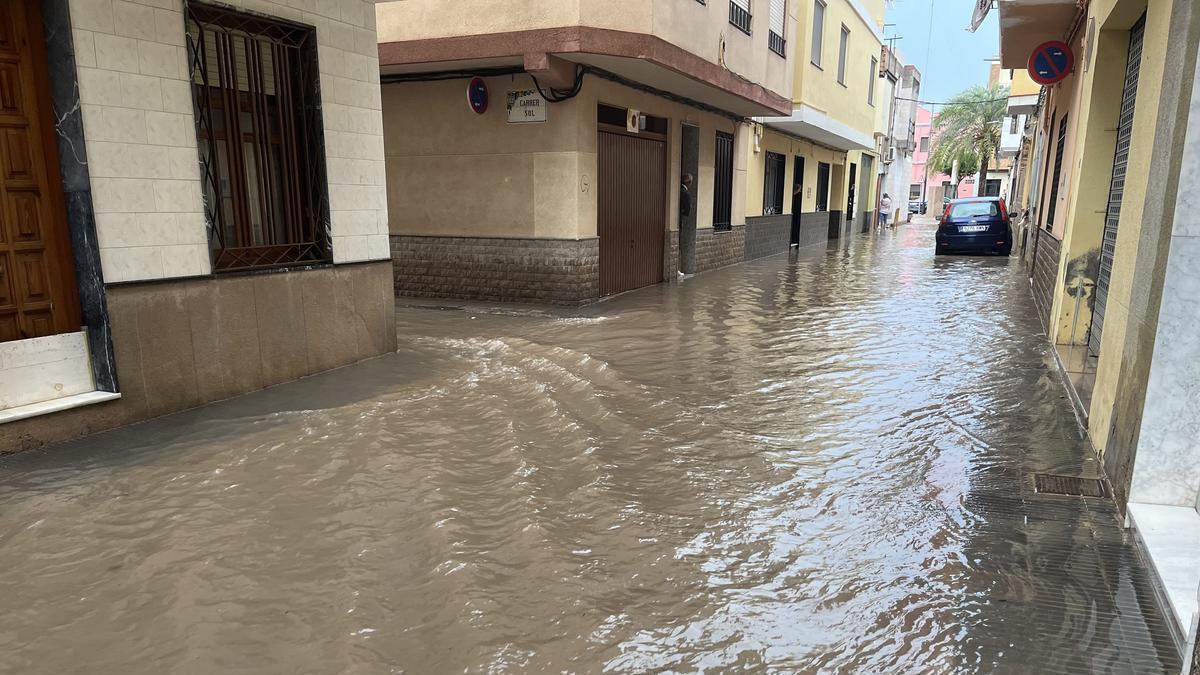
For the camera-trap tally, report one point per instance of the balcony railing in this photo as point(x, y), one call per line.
point(739, 17)
point(776, 43)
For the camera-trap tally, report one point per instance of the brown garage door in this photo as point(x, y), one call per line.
point(631, 195)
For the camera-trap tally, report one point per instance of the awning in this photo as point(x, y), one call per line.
point(808, 122)
point(1025, 24)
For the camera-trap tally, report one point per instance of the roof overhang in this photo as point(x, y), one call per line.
point(1022, 105)
point(645, 59)
point(808, 122)
point(1025, 24)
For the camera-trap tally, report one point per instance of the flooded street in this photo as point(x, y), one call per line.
point(814, 463)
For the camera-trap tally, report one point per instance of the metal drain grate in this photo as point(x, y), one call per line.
point(1047, 483)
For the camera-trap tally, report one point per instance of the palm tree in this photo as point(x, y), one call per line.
point(969, 125)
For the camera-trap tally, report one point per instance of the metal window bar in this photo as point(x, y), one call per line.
point(260, 134)
point(773, 187)
point(723, 183)
point(776, 43)
point(739, 16)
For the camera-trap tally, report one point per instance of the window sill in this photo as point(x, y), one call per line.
point(56, 405)
point(816, 65)
point(743, 30)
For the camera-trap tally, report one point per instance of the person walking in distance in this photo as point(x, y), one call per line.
point(885, 210)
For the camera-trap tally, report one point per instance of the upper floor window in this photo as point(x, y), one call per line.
point(843, 47)
point(818, 31)
point(1012, 129)
point(924, 144)
point(871, 77)
point(775, 36)
point(260, 136)
point(739, 15)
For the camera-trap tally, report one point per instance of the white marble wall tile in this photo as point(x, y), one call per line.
point(1167, 467)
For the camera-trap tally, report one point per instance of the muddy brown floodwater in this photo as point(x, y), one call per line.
point(810, 463)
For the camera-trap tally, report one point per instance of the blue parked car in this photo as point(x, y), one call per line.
point(975, 225)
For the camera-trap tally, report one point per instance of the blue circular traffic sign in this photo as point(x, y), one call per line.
point(1051, 62)
point(477, 95)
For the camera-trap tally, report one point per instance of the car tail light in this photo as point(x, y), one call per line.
point(946, 213)
point(1003, 209)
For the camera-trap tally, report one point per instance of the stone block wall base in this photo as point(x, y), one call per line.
point(767, 235)
point(720, 248)
point(554, 271)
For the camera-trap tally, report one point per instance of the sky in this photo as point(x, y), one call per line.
point(954, 59)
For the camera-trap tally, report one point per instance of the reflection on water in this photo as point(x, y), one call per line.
point(810, 464)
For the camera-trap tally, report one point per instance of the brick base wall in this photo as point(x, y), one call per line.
point(716, 249)
point(556, 271)
point(839, 227)
point(1045, 273)
point(767, 235)
point(814, 228)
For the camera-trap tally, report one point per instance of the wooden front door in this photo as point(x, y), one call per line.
point(38, 296)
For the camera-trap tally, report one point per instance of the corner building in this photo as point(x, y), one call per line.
point(193, 205)
point(581, 197)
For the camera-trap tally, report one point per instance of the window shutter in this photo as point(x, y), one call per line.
point(744, 4)
point(778, 17)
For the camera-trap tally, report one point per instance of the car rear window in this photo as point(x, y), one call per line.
point(972, 209)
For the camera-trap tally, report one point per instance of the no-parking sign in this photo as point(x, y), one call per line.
point(1051, 62)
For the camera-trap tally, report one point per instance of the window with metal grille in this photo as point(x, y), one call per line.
point(843, 47)
point(924, 144)
point(723, 183)
point(739, 15)
point(258, 123)
point(871, 77)
point(818, 32)
point(776, 166)
point(777, 26)
point(1012, 127)
point(1058, 159)
point(914, 191)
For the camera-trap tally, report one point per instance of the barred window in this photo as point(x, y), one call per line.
point(258, 123)
point(723, 183)
point(773, 186)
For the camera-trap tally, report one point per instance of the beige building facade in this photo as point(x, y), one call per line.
point(614, 150)
point(203, 206)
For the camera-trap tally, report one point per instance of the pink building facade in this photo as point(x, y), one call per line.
point(930, 187)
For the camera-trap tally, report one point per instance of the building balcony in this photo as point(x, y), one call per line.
point(715, 53)
point(1025, 24)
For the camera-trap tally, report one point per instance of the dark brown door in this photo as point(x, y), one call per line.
point(631, 195)
point(37, 281)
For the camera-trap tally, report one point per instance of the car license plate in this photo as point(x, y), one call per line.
point(973, 228)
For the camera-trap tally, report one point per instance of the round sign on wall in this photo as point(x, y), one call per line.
point(477, 95)
point(1051, 62)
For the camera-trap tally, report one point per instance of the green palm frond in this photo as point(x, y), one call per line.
point(968, 129)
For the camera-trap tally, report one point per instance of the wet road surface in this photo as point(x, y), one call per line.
point(814, 463)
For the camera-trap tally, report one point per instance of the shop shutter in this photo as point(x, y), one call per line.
point(1116, 190)
point(778, 17)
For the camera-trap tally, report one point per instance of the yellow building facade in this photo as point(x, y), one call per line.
point(1111, 174)
point(840, 105)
